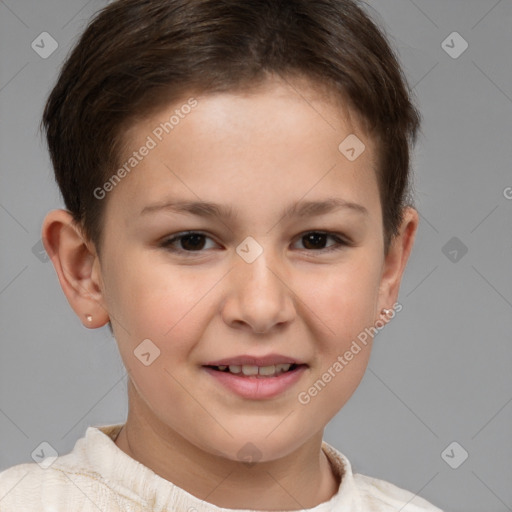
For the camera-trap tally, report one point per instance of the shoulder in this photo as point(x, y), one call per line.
point(383, 496)
point(372, 494)
point(30, 487)
point(21, 485)
point(36, 486)
point(68, 482)
point(62, 487)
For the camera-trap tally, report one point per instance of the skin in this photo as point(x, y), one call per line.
point(257, 152)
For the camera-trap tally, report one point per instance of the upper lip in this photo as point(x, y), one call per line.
point(268, 360)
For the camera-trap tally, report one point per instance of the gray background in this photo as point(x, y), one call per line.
point(440, 372)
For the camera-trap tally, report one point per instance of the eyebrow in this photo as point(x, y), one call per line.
point(298, 209)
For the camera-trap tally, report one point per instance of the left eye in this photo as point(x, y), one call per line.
point(313, 238)
point(195, 242)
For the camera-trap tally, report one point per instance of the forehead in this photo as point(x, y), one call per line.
point(260, 147)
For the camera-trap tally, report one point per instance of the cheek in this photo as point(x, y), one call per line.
point(343, 305)
point(155, 299)
point(159, 315)
point(343, 298)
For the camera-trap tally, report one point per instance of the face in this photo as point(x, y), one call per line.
point(282, 274)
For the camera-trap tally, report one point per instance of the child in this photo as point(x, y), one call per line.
point(202, 148)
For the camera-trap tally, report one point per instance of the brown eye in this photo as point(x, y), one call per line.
point(316, 240)
point(187, 242)
point(192, 242)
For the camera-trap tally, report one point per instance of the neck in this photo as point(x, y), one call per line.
point(302, 479)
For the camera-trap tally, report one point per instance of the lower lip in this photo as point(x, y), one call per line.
point(257, 388)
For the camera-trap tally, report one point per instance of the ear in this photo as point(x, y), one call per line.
point(396, 259)
point(77, 266)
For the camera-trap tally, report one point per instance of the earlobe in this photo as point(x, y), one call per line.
point(397, 257)
point(74, 262)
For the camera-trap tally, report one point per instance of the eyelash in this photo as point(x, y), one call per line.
point(340, 242)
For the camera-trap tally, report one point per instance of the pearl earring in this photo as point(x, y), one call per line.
point(386, 312)
point(89, 318)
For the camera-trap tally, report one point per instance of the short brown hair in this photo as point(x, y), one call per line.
point(137, 56)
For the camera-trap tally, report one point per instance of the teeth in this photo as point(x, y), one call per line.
point(267, 370)
point(249, 370)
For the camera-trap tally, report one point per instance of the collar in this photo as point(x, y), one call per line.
point(132, 479)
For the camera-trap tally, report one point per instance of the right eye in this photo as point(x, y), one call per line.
point(190, 241)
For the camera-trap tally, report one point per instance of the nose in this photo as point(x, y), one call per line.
point(259, 299)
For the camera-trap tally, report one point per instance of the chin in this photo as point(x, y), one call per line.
point(252, 449)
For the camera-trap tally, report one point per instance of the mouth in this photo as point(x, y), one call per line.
point(253, 382)
point(255, 371)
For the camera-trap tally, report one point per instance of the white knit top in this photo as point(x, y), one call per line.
point(98, 476)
